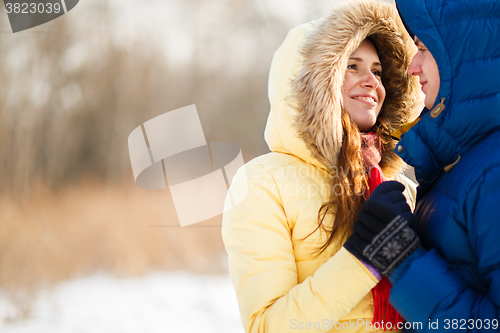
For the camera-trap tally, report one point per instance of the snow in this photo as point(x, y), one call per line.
point(159, 302)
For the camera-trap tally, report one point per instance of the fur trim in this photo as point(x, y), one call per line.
point(317, 90)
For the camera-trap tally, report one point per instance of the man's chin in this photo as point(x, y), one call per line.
point(429, 102)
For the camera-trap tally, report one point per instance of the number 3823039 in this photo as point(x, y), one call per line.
point(464, 324)
point(33, 8)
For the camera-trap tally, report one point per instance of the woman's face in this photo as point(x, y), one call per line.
point(425, 67)
point(363, 93)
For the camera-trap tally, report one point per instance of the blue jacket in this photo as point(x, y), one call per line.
point(456, 274)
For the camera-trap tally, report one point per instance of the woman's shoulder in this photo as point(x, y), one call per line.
point(277, 179)
point(273, 162)
point(274, 159)
point(263, 171)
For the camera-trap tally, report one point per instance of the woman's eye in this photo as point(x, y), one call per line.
point(351, 67)
point(422, 49)
point(377, 73)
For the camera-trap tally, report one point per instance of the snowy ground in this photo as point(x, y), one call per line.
point(159, 302)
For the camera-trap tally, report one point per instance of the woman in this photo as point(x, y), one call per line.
point(327, 84)
point(452, 280)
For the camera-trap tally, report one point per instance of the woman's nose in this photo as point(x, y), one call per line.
point(370, 81)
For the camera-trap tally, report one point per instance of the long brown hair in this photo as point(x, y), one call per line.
point(348, 186)
point(328, 131)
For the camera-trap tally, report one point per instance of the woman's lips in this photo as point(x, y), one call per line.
point(365, 99)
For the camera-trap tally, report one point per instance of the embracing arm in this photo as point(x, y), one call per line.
point(257, 237)
point(425, 287)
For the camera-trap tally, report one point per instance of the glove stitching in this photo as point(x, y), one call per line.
point(409, 250)
point(388, 232)
point(392, 245)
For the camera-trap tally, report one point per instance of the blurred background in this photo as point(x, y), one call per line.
point(82, 248)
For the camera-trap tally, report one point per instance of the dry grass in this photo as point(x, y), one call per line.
point(91, 227)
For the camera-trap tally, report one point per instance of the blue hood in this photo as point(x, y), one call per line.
point(464, 38)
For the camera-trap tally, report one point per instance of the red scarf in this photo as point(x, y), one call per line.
point(383, 310)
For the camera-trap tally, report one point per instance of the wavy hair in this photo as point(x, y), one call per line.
point(347, 189)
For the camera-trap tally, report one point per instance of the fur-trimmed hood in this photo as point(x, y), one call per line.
point(307, 75)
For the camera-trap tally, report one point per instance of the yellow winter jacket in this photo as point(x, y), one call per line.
point(281, 285)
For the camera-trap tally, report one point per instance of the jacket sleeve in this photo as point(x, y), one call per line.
point(425, 287)
point(257, 237)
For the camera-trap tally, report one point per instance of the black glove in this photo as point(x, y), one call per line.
point(382, 233)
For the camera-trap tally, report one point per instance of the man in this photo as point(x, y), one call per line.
point(448, 277)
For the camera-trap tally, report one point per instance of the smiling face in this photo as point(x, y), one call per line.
point(363, 93)
point(425, 67)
